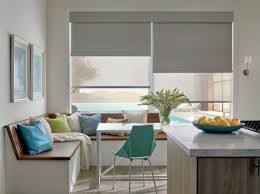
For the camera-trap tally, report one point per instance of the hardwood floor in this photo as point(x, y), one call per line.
point(86, 182)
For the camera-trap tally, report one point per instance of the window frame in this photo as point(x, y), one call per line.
point(150, 85)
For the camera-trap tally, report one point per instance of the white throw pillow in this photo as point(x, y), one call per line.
point(74, 123)
point(136, 116)
point(45, 123)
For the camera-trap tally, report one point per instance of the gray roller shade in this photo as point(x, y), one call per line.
point(110, 39)
point(193, 47)
point(150, 16)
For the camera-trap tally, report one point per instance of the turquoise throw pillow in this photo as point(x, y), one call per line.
point(89, 124)
point(34, 138)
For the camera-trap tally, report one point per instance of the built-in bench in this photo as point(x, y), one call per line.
point(51, 172)
point(56, 171)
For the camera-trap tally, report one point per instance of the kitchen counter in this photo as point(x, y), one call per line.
point(203, 163)
point(196, 143)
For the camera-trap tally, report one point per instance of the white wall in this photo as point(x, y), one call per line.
point(247, 42)
point(27, 19)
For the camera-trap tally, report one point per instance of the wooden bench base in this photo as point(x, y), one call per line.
point(49, 172)
point(60, 151)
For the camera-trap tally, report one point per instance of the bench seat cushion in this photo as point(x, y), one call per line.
point(60, 151)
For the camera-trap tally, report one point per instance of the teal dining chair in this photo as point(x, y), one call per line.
point(139, 146)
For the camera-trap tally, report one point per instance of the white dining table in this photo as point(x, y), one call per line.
point(116, 127)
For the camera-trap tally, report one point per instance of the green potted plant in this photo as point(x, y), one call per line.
point(165, 101)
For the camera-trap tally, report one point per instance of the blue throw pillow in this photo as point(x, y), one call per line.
point(35, 138)
point(89, 124)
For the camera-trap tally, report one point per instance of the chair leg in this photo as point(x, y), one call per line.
point(152, 175)
point(130, 161)
point(143, 171)
point(114, 169)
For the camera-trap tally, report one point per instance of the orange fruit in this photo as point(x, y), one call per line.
point(223, 122)
point(217, 118)
point(234, 122)
point(210, 119)
point(213, 122)
point(201, 119)
point(204, 122)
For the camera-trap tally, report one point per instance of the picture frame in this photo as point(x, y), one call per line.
point(19, 69)
point(36, 66)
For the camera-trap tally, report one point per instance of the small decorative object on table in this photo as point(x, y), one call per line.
point(218, 125)
point(165, 101)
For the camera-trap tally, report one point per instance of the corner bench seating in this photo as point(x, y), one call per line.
point(56, 171)
point(50, 172)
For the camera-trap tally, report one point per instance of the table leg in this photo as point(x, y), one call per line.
point(98, 160)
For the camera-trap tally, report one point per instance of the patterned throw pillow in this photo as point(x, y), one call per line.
point(59, 124)
point(112, 120)
point(89, 124)
point(136, 116)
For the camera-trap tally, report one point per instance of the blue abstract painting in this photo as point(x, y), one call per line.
point(19, 69)
point(37, 74)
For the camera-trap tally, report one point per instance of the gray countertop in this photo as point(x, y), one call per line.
point(196, 143)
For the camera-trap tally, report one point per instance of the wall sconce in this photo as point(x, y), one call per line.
point(248, 62)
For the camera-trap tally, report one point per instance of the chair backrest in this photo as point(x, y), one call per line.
point(141, 141)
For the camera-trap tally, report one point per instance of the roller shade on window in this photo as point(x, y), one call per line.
point(110, 39)
point(121, 71)
point(193, 47)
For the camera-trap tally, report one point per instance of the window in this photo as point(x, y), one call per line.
point(111, 54)
point(109, 83)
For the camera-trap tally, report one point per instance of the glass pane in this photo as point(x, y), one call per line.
point(197, 86)
point(107, 100)
point(217, 91)
point(110, 71)
point(227, 92)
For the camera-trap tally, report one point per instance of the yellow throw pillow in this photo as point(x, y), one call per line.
point(59, 124)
